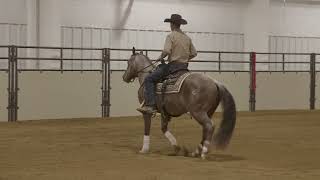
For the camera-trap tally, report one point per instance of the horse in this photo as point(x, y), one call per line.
point(199, 95)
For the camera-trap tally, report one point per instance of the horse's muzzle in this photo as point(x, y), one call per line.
point(125, 78)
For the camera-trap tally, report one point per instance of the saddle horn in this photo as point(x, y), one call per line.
point(133, 50)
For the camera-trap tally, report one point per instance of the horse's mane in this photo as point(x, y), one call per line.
point(149, 60)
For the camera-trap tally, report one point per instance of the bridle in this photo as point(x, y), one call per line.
point(151, 64)
point(143, 69)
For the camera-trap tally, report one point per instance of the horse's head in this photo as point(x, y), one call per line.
point(136, 64)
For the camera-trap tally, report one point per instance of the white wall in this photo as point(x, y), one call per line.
point(143, 14)
point(216, 16)
point(149, 14)
point(295, 19)
point(13, 11)
point(256, 24)
point(266, 18)
point(132, 15)
point(12, 18)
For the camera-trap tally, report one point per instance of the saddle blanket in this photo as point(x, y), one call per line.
point(171, 85)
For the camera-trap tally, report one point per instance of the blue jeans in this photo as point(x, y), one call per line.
point(152, 79)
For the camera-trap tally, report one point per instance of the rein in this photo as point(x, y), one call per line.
point(142, 70)
point(152, 64)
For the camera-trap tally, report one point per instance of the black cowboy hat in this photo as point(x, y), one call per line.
point(176, 18)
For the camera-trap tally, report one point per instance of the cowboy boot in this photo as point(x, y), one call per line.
point(147, 109)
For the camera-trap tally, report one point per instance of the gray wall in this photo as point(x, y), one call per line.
point(124, 99)
point(318, 91)
point(238, 85)
point(51, 95)
point(283, 91)
point(3, 96)
point(55, 95)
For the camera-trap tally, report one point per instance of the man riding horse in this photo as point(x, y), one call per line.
point(179, 49)
point(198, 93)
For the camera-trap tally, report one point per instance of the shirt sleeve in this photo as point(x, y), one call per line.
point(168, 45)
point(193, 51)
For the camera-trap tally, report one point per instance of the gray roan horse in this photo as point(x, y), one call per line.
point(199, 95)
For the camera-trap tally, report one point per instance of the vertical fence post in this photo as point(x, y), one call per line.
point(16, 89)
point(103, 84)
point(105, 105)
point(312, 81)
point(283, 63)
point(9, 84)
point(12, 84)
point(108, 82)
point(219, 63)
point(252, 100)
point(61, 60)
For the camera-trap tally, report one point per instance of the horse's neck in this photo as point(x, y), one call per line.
point(145, 73)
point(141, 77)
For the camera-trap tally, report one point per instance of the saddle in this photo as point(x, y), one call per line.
point(172, 83)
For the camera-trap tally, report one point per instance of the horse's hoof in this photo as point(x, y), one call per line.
point(195, 154)
point(144, 151)
point(203, 156)
point(177, 149)
point(185, 152)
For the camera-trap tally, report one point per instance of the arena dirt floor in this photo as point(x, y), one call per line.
point(273, 145)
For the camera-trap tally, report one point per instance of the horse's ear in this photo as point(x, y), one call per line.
point(133, 50)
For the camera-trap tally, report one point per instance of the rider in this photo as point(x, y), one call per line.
point(179, 49)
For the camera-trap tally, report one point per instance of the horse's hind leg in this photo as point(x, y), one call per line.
point(198, 150)
point(164, 128)
point(207, 132)
point(210, 115)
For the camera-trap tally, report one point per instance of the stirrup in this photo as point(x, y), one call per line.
point(147, 110)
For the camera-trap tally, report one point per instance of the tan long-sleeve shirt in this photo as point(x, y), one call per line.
point(179, 47)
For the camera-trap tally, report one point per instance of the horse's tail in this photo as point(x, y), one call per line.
point(222, 137)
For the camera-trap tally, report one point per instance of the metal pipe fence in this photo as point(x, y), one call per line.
point(248, 62)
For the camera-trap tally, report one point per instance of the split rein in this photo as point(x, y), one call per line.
point(151, 64)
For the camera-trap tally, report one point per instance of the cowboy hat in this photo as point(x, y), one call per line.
point(176, 18)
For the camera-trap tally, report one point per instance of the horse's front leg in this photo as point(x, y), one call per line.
point(164, 128)
point(146, 137)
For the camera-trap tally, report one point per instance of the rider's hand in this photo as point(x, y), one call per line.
point(161, 60)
